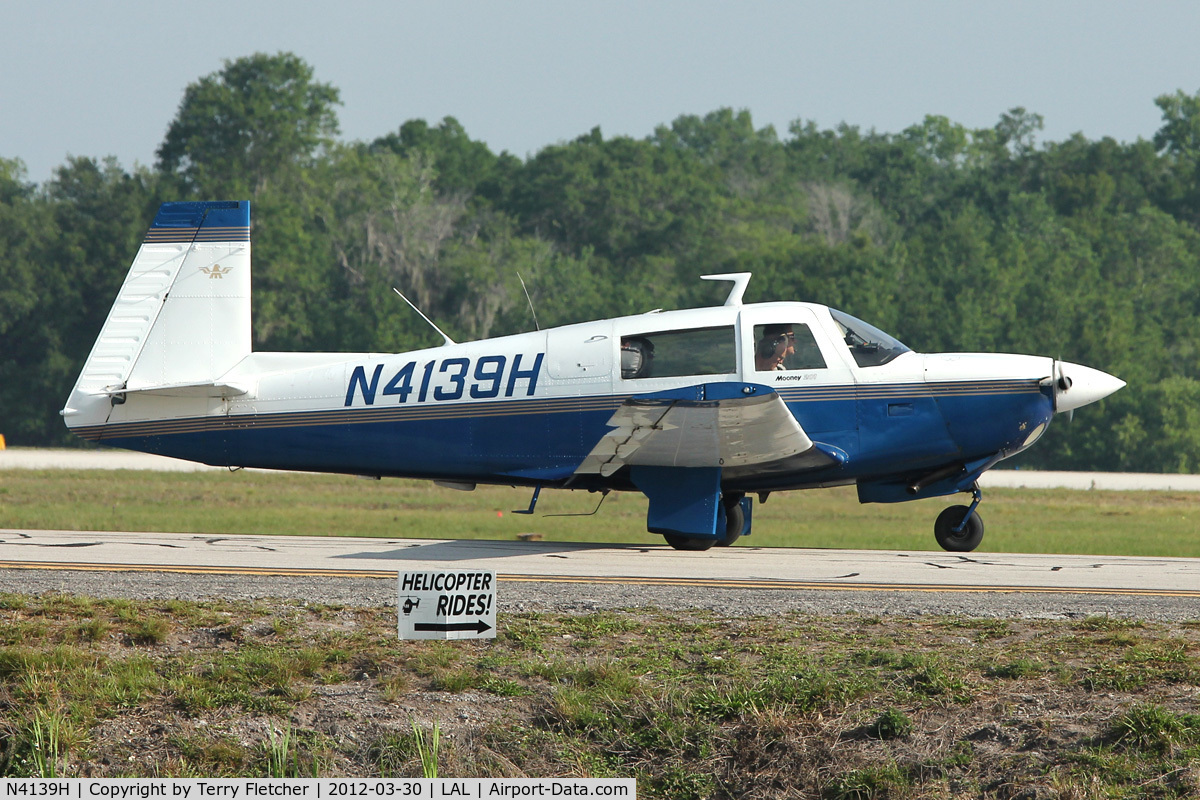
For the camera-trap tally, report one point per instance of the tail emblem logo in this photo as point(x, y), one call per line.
point(216, 271)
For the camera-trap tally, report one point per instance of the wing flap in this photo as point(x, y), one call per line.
point(738, 431)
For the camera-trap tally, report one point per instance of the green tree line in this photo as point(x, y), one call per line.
point(954, 239)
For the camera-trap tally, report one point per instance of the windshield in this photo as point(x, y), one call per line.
point(869, 345)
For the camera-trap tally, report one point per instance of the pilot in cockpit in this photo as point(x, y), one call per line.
point(777, 343)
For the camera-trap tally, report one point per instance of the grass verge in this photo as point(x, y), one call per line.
point(691, 705)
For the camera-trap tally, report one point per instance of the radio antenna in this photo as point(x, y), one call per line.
point(528, 300)
point(441, 332)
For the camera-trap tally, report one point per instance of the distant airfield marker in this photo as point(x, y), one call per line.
point(446, 604)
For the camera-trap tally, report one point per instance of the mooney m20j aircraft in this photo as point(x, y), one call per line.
point(698, 409)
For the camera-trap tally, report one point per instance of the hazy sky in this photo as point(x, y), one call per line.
point(106, 78)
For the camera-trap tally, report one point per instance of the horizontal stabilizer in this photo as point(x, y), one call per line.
point(218, 389)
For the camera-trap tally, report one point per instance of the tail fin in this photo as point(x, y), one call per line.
point(182, 317)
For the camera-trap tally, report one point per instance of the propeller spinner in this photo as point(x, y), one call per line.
point(1076, 386)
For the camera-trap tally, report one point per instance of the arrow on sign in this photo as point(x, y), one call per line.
point(479, 626)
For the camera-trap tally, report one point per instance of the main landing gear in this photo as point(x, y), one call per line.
point(735, 521)
point(959, 529)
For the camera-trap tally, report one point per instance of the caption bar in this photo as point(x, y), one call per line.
point(313, 788)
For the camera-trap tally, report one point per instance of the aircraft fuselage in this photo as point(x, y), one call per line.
point(526, 409)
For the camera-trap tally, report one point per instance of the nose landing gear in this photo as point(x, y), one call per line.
point(959, 529)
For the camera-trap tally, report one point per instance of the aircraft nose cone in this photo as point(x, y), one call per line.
point(1084, 385)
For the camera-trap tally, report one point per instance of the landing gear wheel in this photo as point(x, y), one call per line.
point(963, 541)
point(735, 520)
point(685, 543)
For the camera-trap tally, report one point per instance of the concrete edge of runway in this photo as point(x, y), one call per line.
point(513, 598)
point(66, 458)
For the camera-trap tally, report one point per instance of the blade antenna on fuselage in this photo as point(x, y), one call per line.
point(529, 300)
point(441, 332)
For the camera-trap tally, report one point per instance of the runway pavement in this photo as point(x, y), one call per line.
point(568, 562)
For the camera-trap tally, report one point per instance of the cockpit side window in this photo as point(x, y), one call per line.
point(870, 346)
point(786, 346)
point(666, 354)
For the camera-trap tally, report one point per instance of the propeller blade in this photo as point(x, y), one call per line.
point(1062, 382)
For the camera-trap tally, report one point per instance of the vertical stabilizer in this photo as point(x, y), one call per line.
point(182, 316)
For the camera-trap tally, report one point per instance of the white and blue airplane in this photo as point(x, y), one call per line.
point(698, 409)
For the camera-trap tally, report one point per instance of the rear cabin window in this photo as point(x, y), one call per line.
point(699, 351)
point(786, 346)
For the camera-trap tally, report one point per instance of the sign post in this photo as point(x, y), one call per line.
point(447, 604)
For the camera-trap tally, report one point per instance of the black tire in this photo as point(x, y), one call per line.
point(963, 541)
point(735, 520)
point(686, 543)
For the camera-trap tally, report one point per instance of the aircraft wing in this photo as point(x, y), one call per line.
point(738, 430)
